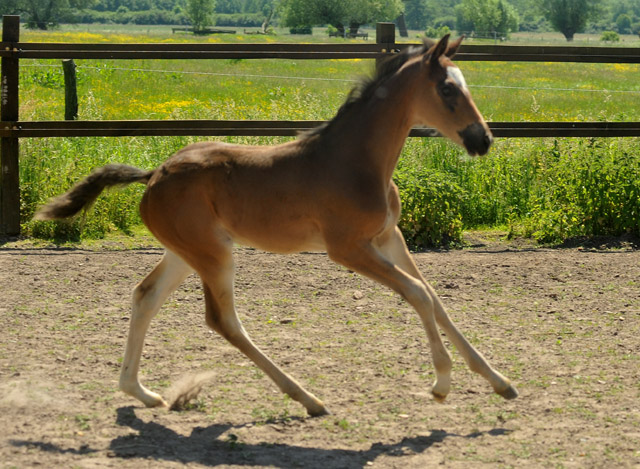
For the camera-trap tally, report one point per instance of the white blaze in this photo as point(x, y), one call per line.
point(456, 75)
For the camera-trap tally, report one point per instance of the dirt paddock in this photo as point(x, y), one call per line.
point(563, 324)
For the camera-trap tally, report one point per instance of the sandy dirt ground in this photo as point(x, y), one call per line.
point(563, 324)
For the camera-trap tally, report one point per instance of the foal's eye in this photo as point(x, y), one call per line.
point(447, 90)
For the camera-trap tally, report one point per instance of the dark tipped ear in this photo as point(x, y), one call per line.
point(439, 49)
point(453, 47)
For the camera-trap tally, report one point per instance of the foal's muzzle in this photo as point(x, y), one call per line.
point(476, 138)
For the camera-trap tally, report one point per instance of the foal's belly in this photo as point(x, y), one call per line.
point(282, 241)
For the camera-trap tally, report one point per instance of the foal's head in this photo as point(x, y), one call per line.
point(443, 100)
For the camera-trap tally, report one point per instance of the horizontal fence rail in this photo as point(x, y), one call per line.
point(12, 51)
point(269, 128)
point(467, 52)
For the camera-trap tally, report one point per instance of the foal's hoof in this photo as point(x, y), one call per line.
point(154, 400)
point(158, 404)
point(318, 411)
point(509, 393)
point(439, 398)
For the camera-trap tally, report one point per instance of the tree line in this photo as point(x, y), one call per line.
point(469, 16)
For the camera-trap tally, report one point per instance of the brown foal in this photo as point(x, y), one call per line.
point(329, 190)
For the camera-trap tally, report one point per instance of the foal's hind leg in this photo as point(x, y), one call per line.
point(217, 278)
point(148, 297)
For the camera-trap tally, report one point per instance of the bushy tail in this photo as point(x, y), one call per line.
point(87, 191)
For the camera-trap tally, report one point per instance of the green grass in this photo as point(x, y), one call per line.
point(550, 189)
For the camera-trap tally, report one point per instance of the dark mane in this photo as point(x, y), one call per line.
point(368, 85)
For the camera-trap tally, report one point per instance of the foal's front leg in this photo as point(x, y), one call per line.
point(371, 261)
point(394, 248)
point(390, 262)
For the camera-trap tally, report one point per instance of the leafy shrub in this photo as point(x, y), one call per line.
point(449, 21)
point(437, 32)
point(47, 77)
point(430, 208)
point(51, 166)
point(246, 20)
point(124, 16)
point(551, 190)
point(610, 36)
point(332, 30)
point(588, 188)
point(301, 30)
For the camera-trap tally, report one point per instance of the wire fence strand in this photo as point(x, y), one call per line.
point(343, 80)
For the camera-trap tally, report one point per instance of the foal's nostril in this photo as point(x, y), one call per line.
point(488, 140)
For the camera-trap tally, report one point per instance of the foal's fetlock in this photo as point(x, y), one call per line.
point(440, 389)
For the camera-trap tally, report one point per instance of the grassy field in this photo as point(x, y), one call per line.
point(546, 188)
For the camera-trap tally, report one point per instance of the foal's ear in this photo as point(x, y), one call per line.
point(453, 47)
point(439, 49)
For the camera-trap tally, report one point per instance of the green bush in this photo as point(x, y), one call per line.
point(301, 30)
point(548, 189)
point(332, 30)
point(588, 188)
point(246, 20)
point(437, 33)
point(610, 36)
point(124, 16)
point(431, 204)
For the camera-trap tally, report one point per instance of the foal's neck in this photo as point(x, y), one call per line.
point(378, 127)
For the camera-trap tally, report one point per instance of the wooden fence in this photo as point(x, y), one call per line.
point(12, 129)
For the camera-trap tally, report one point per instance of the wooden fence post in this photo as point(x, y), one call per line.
point(386, 36)
point(70, 90)
point(402, 26)
point(9, 146)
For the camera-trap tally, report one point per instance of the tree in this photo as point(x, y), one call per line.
point(486, 16)
point(228, 6)
point(339, 13)
point(366, 11)
point(417, 14)
point(570, 16)
point(200, 13)
point(623, 23)
point(629, 7)
point(43, 14)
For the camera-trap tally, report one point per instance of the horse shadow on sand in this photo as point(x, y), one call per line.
point(206, 447)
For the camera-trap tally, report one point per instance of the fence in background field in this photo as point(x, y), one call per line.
point(12, 129)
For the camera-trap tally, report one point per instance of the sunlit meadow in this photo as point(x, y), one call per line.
point(551, 189)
